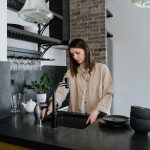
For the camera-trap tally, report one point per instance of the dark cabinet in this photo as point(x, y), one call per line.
point(59, 26)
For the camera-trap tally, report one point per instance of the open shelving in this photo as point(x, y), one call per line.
point(58, 26)
point(19, 34)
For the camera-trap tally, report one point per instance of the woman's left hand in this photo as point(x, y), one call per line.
point(92, 117)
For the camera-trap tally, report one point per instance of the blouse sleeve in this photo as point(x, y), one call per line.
point(104, 103)
point(61, 91)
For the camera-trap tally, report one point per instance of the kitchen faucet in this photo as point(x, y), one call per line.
point(54, 108)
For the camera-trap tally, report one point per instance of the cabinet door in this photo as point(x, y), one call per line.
point(7, 146)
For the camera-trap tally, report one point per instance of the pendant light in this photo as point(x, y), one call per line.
point(35, 11)
point(142, 3)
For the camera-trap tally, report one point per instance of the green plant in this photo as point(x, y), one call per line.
point(41, 86)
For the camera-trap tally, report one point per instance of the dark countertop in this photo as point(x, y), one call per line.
point(20, 129)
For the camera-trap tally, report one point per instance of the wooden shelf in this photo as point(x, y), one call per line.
point(109, 35)
point(109, 14)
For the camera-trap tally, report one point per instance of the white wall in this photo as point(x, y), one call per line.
point(131, 55)
point(12, 17)
point(3, 31)
point(58, 54)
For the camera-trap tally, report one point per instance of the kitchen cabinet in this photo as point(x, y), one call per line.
point(58, 26)
point(7, 146)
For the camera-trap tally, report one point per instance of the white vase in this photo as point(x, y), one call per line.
point(41, 98)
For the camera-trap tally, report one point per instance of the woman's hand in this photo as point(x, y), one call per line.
point(47, 111)
point(92, 117)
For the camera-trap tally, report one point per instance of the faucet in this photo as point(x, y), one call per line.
point(54, 108)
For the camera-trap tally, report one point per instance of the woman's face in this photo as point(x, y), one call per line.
point(78, 55)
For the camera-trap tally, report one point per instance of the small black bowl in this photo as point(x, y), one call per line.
point(140, 112)
point(139, 125)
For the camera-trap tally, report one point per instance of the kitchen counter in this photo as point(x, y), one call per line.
point(20, 129)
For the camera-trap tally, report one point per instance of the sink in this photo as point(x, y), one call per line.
point(72, 120)
point(69, 119)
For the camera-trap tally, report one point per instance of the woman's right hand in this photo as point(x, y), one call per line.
point(47, 111)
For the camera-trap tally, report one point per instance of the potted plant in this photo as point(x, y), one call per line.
point(41, 87)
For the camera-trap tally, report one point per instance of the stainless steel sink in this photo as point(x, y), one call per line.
point(69, 119)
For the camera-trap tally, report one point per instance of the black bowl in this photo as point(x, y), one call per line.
point(140, 112)
point(139, 125)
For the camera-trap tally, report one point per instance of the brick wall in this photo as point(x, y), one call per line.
point(87, 21)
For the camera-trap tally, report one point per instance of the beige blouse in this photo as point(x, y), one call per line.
point(94, 88)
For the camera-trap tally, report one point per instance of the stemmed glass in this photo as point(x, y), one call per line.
point(15, 64)
point(22, 64)
point(28, 65)
point(11, 63)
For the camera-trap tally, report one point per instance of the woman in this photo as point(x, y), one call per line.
point(90, 84)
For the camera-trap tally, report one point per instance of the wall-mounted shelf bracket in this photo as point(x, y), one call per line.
point(48, 46)
point(109, 14)
point(109, 35)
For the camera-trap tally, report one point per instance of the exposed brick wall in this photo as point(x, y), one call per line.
point(87, 21)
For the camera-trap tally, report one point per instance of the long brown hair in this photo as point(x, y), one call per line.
point(88, 63)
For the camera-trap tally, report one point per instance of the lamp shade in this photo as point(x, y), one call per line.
point(142, 3)
point(35, 11)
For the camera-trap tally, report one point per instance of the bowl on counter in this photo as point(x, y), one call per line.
point(140, 112)
point(116, 119)
point(139, 125)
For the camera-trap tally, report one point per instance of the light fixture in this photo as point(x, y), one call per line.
point(142, 3)
point(35, 11)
